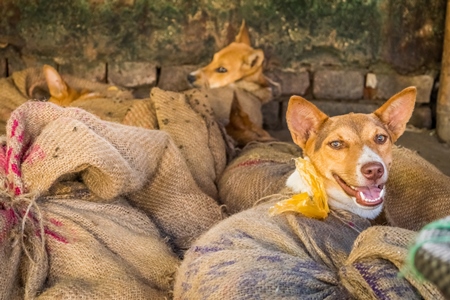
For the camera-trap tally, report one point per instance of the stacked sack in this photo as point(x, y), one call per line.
point(93, 209)
point(250, 96)
point(417, 192)
point(254, 255)
point(260, 169)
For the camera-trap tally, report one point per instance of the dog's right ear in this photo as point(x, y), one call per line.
point(56, 85)
point(303, 118)
point(397, 111)
point(255, 59)
point(243, 36)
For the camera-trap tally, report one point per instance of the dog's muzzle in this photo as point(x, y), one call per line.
point(368, 196)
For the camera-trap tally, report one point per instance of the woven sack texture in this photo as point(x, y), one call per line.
point(261, 169)
point(251, 99)
point(417, 192)
point(252, 255)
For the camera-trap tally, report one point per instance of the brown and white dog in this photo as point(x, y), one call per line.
point(352, 153)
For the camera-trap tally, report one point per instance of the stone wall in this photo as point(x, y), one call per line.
point(352, 52)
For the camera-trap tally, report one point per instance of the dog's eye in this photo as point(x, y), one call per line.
point(336, 145)
point(221, 70)
point(380, 139)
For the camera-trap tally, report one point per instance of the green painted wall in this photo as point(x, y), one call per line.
point(401, 35)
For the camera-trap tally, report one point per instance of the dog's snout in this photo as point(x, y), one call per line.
point(191, 78)
point(372, 170)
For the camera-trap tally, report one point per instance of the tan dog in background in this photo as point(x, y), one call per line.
point(239, 67)
point(352, 153)
point(234, 63)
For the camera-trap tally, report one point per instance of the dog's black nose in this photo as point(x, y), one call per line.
point(372, 170)
point(191, 78)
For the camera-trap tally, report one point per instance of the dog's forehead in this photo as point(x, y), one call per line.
point(233, 50)
point(350, 126)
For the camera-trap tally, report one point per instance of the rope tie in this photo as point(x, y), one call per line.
point(16, 203)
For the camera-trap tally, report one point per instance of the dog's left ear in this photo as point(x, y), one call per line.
point(397, 111)
point(254, 59)
point(303, 118)
point(243, 36)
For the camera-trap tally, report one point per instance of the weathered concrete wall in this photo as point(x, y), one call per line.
point(403, 35)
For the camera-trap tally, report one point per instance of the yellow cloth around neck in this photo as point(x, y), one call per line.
point(315, 206)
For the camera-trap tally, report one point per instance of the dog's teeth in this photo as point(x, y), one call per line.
point(363, 197)
point(383, 191)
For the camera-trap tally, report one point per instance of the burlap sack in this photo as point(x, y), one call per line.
point(261, 169)
point(72, 245)
point(251, 98)
point(251, 255)
point(145, 165)
point(189, 120)
point(417, 192)
point(78, 249)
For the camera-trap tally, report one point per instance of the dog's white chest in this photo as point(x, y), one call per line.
point(297, 184)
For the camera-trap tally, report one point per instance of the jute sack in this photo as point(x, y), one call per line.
point(253, 255)
point(187, 117)
point(68, 243)
point(48, 141)
point(190, 122)
point(261, 169)
point(417, 192)
point(251, 97)
point(74, 248)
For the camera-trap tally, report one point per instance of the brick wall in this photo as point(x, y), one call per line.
point(334, 91)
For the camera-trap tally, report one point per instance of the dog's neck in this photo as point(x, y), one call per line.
point(296, 183)
point(264, 88)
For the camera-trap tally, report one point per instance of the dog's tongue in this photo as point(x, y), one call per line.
point(369, 196)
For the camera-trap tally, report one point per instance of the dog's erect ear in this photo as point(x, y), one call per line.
point(243, 36)
point(303, 118)
point(254, 59)
point(56, 85)
point(397, 111)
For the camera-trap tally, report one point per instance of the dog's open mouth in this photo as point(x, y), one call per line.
point(364, 195)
